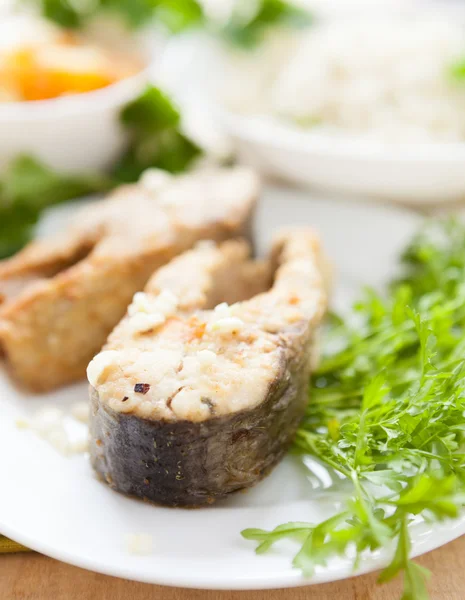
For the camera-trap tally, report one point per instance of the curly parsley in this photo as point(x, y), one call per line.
point(387, 410)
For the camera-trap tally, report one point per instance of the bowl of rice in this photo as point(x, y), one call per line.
point(369, 105)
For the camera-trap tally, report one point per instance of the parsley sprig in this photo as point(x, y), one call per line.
point(387, 410)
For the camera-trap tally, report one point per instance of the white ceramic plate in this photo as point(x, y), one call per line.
point(55, 505)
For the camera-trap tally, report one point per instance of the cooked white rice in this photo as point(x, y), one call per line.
point(139, 544)
point(390, 79)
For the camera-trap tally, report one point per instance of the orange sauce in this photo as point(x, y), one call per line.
point(62, 66)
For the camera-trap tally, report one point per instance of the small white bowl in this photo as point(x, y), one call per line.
point(71, 133)
point(74, 133)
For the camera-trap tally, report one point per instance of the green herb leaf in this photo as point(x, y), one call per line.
point(152, 111)
point(457, 70)
point(155, 138)
point(268, 538)
point(61, 12)
point(415, 576)
point(30, 183)
point(248, 31)
point(179, 15)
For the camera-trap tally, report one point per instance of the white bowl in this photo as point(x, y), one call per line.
point(415, 173)
point(412, 173)
point(72, 133)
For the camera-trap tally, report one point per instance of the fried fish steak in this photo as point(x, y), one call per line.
point(61, 297)
point(201, 387)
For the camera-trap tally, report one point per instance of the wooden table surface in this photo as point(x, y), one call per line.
point(31, 576)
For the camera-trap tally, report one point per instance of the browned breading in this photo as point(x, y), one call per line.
point(62, 297)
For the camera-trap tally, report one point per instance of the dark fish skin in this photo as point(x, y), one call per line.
point(184, 463)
